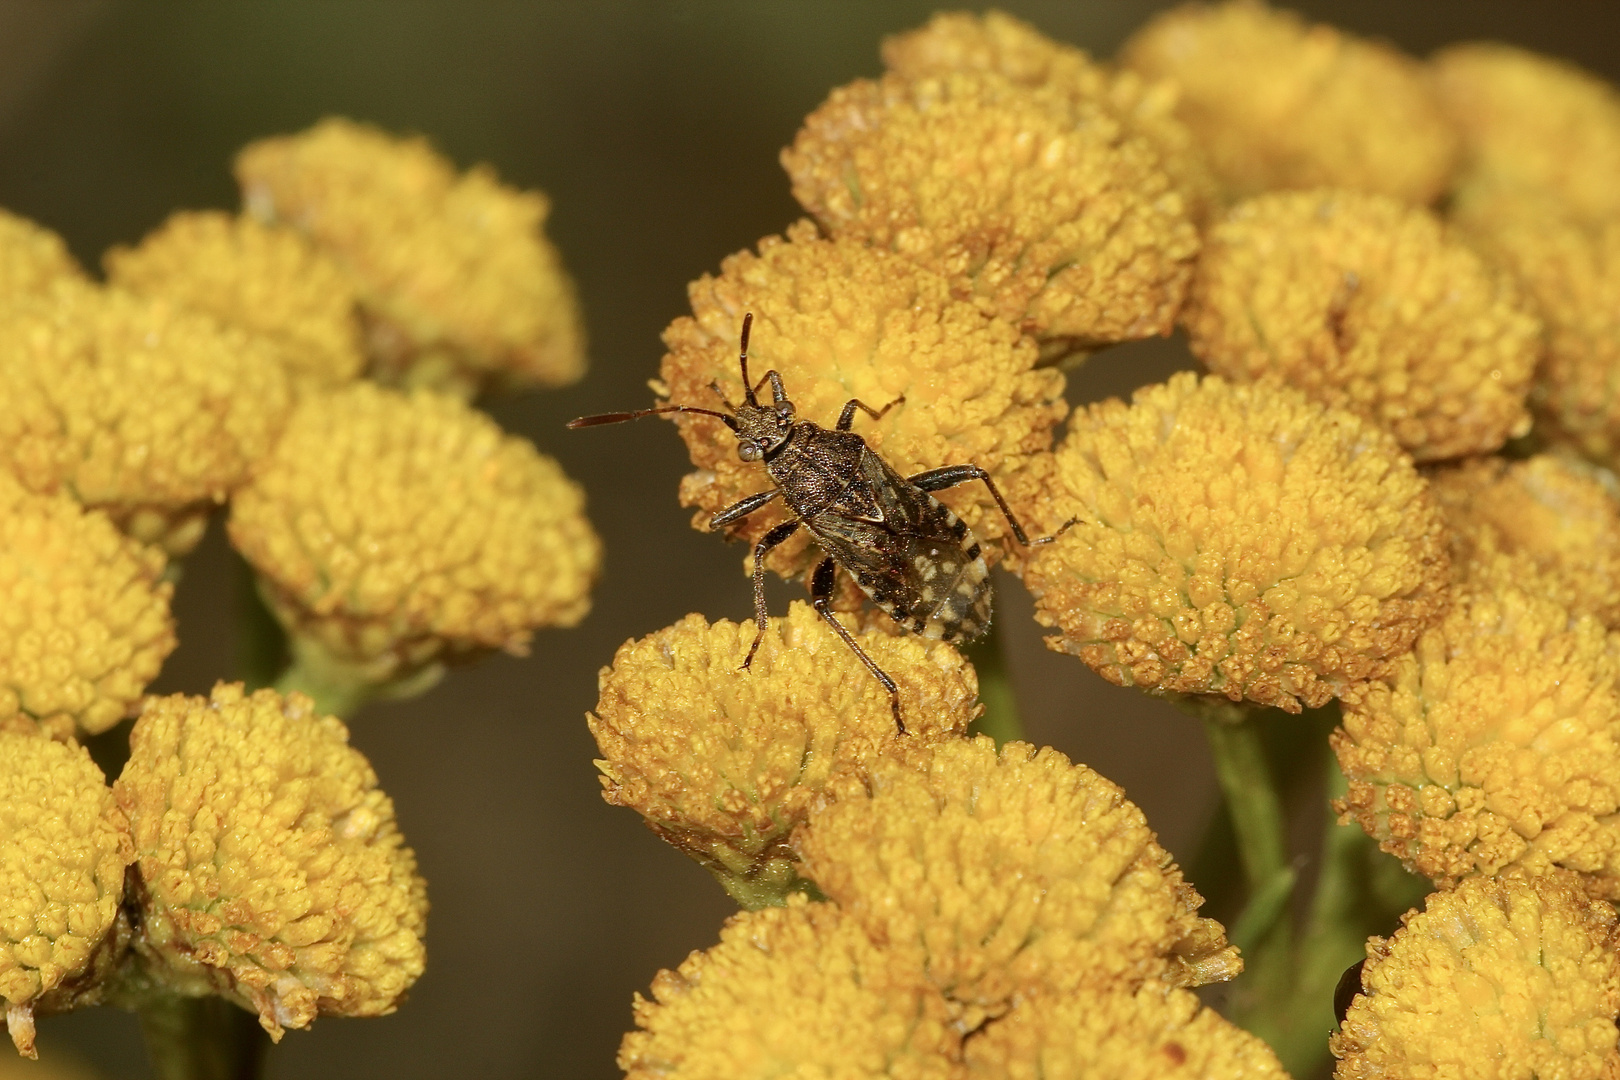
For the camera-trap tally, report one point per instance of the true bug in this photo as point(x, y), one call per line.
point(905, 549)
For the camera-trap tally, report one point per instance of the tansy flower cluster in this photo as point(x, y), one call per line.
point(244, 850)
point(1388, 498)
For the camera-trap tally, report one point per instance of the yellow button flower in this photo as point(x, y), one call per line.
point(1365, 303)
point(1002, 874)
point(724, 763)
point(458, 283)
point(266, 279)
point(1571, 269)
point(85, 624)
point(1559, 513)
point(995, 41)
point(63, 849)
point(1040, 205)
point(273, 868)
point(1532, 122)
point(135, 407)
point(1495, 744)
point(1152, 1034)
point(1277, 103)
point(841, 320)
point(392, 532)
point(1240, 540)
point(793, 991)
point(32, 257)
point(1497, 978)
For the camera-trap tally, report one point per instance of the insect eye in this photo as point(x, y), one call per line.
point(749, 451)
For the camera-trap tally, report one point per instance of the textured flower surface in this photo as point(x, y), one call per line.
point(1238, 540)
point(999, 874)
point(1495, 744)
point(1571, 268)
point(63, 849)
point(85, 624)
point(792, 991)
point(840, 320)
point(1039, 204)
point(134, 406)
point(1365, 303)
point(1497, 978)
point(273, 869)
point(1532, 122)
point(1154, 1033)
point(724, 763)
point(1277, 103)
point(392, 529)
point(32, 257)
point(264, 278)
point(1559, 513)
point(995, 41)
point(456, 277)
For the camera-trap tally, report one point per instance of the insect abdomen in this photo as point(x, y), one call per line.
point(947, 593)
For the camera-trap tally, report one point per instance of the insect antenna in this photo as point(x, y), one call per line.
point(621, 417)
point(742, 358)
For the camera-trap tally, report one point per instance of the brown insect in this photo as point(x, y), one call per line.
point(906, 550)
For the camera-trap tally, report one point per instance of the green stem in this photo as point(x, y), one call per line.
point(262, 646)
point(1000, 719)
point(201, 1038)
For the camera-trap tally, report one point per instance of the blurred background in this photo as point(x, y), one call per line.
point(654, 127)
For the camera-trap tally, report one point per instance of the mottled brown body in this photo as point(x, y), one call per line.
point(906, 550)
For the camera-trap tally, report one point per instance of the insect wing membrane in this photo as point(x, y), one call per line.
point(919, 563)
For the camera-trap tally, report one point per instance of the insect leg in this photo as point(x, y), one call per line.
point(951, 475)
point(766, 542)
point(821, 589)
point(847, 417)
point(742, 508)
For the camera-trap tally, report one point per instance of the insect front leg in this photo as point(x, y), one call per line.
point(847, 418)
point(766, 542)
point(951, 475)
point(821, 590)
point(742, 508)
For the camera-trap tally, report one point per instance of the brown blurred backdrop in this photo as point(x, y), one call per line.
point(655, 129)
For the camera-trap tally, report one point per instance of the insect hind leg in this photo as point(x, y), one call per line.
point(952, 475)
point(821, 590)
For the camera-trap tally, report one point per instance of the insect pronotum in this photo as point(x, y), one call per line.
point(905, 549)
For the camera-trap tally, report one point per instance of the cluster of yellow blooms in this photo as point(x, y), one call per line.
point(1392, 268)
point(245, 850)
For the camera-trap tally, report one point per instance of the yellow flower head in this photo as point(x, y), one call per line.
point(1559, 513)
point(266, 279)
point(85, 624)
point(841, 320)
point(724, 763)
point(1276, 103)
point(1152, 1034)
point(995, 41)
point(1572, 271)
point(392, 531)
point(1237, 539)
point(1495, 744)
point(1365, 303)
point(1000, 874)
point(457, 281)
point(1039, 205)
point(63, 849)
point(274, 872)
point(134, 406)
point(790, 991)
point(1532, 122)
point(1496, 978)
point(32, 257)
